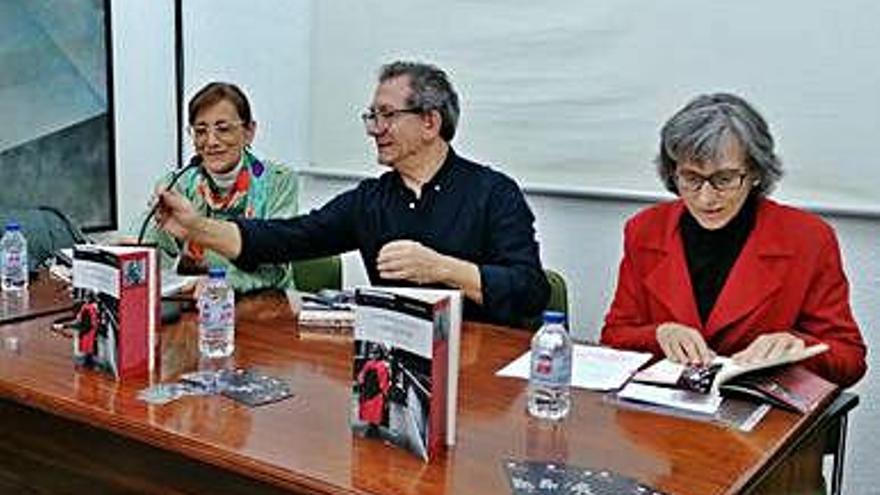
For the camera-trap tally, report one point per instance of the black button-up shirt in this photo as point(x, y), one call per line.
point(467, 211)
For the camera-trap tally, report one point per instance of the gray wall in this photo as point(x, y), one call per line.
point(143, 85)
point(53, 99)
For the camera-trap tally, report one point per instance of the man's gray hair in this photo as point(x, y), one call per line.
point(431, 90)
point(704, 131)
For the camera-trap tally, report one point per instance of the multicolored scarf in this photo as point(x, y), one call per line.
point(245, 199)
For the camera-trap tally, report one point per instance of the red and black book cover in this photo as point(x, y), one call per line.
point(117, 294)
point(790, 387)
point(401, 369)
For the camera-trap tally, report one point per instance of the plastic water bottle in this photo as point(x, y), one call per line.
point(13, 259)
point(216, 316)
point(550, 377)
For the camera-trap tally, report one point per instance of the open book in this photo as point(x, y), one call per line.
point(699, 388)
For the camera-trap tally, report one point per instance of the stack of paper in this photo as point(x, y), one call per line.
point(593, 367)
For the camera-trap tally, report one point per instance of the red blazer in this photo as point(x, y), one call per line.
point(788, 277)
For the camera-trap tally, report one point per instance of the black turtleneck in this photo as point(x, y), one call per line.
point(710, 254)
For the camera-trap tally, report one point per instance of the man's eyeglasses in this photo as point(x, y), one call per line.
point(380, 118)
point(721, 181)
point(224, 131)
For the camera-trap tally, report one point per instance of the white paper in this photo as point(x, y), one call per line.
point(671, 397)
point(664, 372)
point(593, 367)
point(172, 283)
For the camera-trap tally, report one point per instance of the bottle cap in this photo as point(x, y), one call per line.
point(216, 272)
point(554, 317)
point(12, 226)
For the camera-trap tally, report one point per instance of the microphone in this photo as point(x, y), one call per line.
point(195, 161)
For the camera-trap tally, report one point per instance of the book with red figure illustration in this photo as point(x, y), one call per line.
point(401, 368)
point(116, 289)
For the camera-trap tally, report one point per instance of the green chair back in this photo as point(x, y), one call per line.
point(558, 298)
point(318, 273)
point(558, 292)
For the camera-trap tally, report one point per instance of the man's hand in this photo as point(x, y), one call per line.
point(770, 346)
point(683, 344)
point(409, 260)
point(175, 214)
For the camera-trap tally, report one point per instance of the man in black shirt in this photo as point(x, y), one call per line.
point(435, 220)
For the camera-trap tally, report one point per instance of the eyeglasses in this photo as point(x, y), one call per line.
point(380, 118)
point(721, 181)
point(223, 130)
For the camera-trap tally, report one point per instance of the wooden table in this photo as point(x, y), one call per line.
point(66, 431)
point(46, 295)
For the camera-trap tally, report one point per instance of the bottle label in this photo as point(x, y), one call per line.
point(216, 316)
point(12, 260)
point(14, 269)
point(549, 371)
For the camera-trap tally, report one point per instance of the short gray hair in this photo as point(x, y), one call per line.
point(431, 90)
point(703, 131)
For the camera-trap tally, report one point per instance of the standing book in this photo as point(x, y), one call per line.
point(456, 309)
point(401, 368)
point(117, 290)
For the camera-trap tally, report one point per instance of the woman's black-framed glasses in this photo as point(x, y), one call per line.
point(373, 118)
point(721, 181)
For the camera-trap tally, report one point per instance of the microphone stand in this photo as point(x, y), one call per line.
point(170, 310)
point(195, 161)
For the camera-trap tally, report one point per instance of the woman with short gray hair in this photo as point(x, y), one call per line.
point(723, 269)
point(701, 130)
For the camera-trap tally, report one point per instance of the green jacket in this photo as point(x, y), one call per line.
point(272, 193)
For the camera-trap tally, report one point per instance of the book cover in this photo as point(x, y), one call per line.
point(701, 387)
point(117, 293)
point(790, 387)
point(400, 369)
point(456, 308)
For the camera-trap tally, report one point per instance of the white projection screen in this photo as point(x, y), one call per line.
point(570, 95)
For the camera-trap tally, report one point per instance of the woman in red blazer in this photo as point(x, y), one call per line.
point(723, 269)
